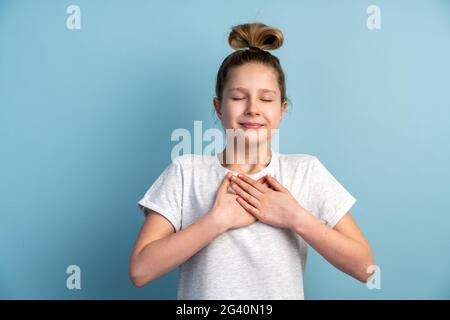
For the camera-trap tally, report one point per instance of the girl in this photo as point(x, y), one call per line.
point(240, 229)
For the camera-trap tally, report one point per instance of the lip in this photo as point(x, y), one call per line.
point(251, 125)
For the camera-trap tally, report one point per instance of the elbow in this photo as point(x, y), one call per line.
point(370, 270)
point(136, 281)
point(137, 284)
point(363, 278)
point(369, 267)
point(137, 278)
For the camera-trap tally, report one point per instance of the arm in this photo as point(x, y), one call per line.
point(344, 246)
point(159, 248)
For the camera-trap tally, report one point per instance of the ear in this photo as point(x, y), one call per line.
point(216, 103)
point(283, 108)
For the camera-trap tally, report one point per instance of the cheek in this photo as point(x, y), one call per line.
point(230, 113)
point(274, 117)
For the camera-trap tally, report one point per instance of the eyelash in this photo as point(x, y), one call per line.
point(264, 100)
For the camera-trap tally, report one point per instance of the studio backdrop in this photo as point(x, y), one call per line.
point(91, 92)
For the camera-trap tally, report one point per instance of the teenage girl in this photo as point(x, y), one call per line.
point(240, 229)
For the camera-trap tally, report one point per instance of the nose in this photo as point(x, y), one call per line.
point(252, 108)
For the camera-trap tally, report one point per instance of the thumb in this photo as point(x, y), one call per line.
point(275, 184)
point(225, 184)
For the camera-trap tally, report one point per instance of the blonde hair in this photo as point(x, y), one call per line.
point(256, 39)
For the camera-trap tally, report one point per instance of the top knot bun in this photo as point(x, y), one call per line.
point(256, 35)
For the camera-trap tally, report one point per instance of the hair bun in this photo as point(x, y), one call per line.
point(257, 35)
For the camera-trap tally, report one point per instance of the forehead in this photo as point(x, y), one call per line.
point(252, 76)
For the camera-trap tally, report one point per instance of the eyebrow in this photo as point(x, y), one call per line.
point(243, 89)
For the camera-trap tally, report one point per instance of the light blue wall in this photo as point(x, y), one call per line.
point(86, 117)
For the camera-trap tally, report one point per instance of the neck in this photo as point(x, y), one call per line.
point(244, 161)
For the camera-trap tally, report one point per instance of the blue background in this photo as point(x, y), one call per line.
point(86, 117)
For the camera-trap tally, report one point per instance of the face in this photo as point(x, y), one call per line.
point(251, 99)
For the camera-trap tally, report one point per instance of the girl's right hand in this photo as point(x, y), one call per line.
point(228, 212)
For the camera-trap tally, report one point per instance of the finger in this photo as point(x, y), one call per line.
point(252, 182)
point(246, 196)
point(247, 187)
point(275, 184)
point(257, 191)
point(225, 184)
point(249, 208)
point(263, 182)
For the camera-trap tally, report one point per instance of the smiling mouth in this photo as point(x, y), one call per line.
point(251, 125)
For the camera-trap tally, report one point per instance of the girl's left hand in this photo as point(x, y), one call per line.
point(269, 201)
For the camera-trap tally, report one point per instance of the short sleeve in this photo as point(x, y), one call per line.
point(165, 195)
point(330, 199)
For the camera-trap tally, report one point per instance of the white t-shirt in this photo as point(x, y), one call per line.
point(254, 262)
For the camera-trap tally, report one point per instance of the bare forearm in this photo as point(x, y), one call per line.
point(163, 255)
point(346, 254)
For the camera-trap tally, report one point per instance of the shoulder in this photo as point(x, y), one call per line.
point(191, 159)
point(297, 159)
